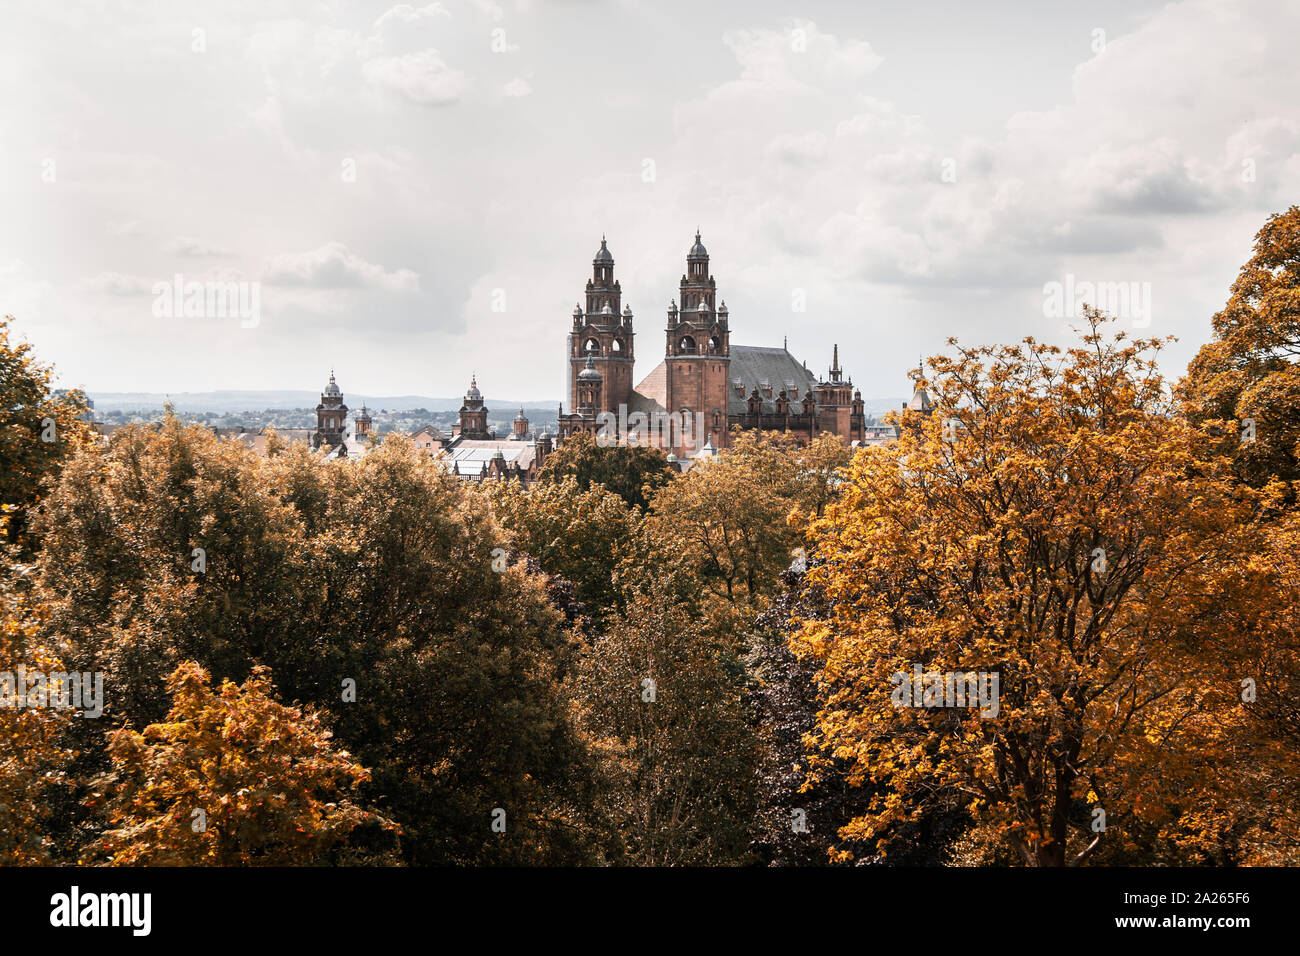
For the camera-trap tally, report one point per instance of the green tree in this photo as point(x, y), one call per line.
point(733, 524)
point(372, 589)
point(632, 472)
point(581, 535)
point(1247, 380)
point(663, 695)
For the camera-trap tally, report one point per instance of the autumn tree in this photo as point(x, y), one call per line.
point(633, 472)
point(1055, 527)
point(231, 777)
point(668, 687)
point(33, 749)
point(38, 430)
point(726, 524)
point(580, 535)
point(371, 588)
point(662, 695)
point(1247, 380)
point(798, 819)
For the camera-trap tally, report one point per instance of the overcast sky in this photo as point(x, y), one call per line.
point(419, 190)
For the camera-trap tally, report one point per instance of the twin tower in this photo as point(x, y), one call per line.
point(718, 384)
point(697, 353)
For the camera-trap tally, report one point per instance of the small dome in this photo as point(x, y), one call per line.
point(364, 416)
point(627, 310)
point(332, 389)
point(521, 417)
point(672, 459)
point(473, 392)
point(497, 454)
point(606, 310)
point(698, 251)
point(577, 311)
point(603, 255)
point(589, 374)
point(722, 309)
point(672, 306)
point(704, 306)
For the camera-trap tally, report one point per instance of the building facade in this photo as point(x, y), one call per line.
point(704, 386)
point(475, 453)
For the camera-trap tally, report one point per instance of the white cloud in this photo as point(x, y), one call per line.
point(809, 160)
point(517, 87)
point(117, 283)
point(799, 53)
point(422, 77)
point(402, 15)
point(191, 248)
point(334, 266)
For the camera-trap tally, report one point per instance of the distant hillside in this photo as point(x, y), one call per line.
point(875, 407)
point(240, 401)
point(292, 409)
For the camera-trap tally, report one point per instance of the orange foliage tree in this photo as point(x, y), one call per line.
point(32, 748)
point(1054, 526)
point(229, 778)
point(38, 430)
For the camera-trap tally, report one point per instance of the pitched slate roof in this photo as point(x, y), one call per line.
point(754, 366)
point(472, 454)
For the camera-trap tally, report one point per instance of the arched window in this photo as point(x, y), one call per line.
point(616, 345)
point(687, 344)
point(714, 344)
point(591, 346)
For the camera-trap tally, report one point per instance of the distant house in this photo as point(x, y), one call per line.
point(429, 439)
point(473, 453)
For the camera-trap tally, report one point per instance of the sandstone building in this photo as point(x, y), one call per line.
point(717, 384)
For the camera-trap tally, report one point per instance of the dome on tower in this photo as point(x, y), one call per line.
point(521, 417)
point(722, 309)
point(332, 389)
point(473, 392)
point(603, 255)
point(704, 306)
point(590, 373)
point(606, 310)
point(698, 251)
point(364, 416)
point(577, 311)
